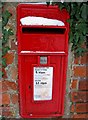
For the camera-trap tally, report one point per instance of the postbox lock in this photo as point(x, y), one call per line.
point(43, 60)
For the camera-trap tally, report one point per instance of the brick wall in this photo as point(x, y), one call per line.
point(10, 104)
point(77, 83)
point(79, 87)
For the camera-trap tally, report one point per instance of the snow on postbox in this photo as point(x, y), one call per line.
point(42, 33)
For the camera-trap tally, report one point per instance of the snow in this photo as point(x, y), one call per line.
point(32, 20)
point(62, 1)
point(42, 52)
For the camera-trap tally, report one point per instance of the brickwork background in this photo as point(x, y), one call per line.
point(10, 104)
point(76, 99)
point(79, 87)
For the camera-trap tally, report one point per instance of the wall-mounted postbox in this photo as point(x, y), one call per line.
point(42, 59)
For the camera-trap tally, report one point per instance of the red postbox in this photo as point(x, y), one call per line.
point(42, 61)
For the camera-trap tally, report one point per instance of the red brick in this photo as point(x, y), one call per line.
point(0, 86)
point(80, 71)
point(84, 59)
point(5, 99)
point(80, 96)
point(83, 85)
point(7, 114)
point(80, 116)
point(6, 111)
point(9, 85)
point(13, 73)
point(0, 99)
point(74, 84)
point(77, 60)
point(12, 85)
point(9, 58)
point(4, 87)
point(81, 107)
point(72, 108)
point(14, 98)
point(13, 45)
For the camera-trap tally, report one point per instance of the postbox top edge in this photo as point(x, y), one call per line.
point(21, 5)
point(64, 13)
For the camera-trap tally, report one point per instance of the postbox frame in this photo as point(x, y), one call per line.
point(63, 58)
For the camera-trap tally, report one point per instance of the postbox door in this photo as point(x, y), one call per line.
point(49, 106)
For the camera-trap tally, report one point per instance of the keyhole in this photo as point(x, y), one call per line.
point(29, 86)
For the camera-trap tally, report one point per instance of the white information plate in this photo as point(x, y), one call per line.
point(43, 79)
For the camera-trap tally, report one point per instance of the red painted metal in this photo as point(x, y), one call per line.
point(34, 42)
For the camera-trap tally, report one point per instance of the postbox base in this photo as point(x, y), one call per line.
point(41, 116)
